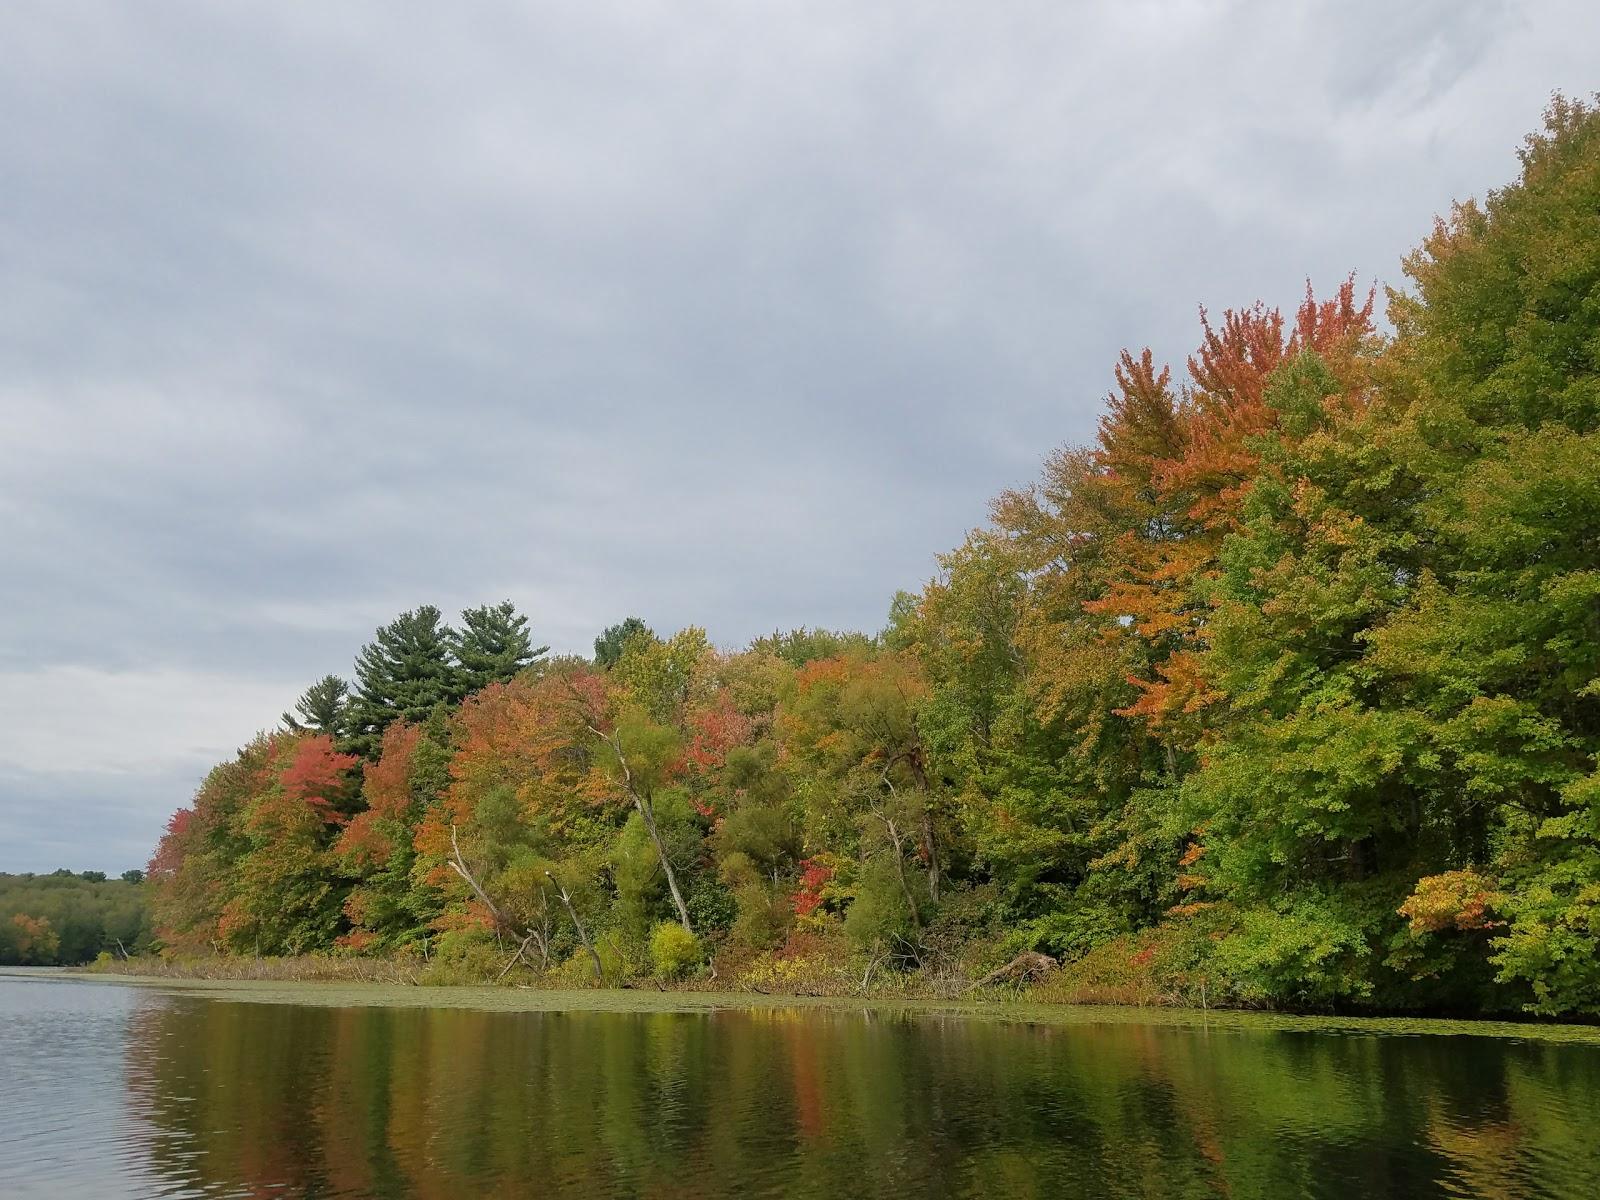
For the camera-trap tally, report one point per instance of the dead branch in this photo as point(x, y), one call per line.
point(642, 802)
point(577, 923)
point(512, 961)
point(896, 840)
point(460, 867)
point(872, 966)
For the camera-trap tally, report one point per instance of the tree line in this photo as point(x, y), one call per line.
point(62, 919)
point(1283, 690)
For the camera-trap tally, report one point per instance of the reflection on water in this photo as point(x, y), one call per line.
point(112, 1091)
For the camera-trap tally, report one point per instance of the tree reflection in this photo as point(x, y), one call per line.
point(265, 1099)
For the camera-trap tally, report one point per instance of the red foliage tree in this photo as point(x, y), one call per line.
point(320, 778)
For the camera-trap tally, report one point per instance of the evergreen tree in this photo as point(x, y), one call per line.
point(405, 671)
point(492, 645)
point(321, 707)
point(608, 646)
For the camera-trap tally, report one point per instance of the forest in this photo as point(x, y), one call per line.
point(1284, 691)
point(63, 919)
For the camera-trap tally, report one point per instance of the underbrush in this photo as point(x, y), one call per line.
point(303, 968)
point(1207, 957)
point(809, 963)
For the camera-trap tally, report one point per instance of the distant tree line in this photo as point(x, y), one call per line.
point(1284, 690)
point(63, 918)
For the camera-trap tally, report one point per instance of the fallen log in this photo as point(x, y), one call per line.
point(1028, 967)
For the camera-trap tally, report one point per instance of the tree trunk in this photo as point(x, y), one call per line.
point(577, 923)
point(460, 866)
point(512, 961)
point(930, 848)
point(900, 872)
point(1026, 967)
point(647, 812)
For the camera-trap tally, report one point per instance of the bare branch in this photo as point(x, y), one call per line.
point(460, 867)
point(512, 961)
point(583, 934)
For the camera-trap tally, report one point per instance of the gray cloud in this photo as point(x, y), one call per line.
point(734, 315)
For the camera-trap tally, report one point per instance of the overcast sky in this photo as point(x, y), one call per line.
point(725, 313)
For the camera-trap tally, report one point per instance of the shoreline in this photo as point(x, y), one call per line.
point(485, 998)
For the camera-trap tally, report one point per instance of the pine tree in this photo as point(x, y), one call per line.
point(492, 645)
point(405, 671)
point(322, 707)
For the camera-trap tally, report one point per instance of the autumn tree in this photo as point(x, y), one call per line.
point(192, 872)
point(287, 893)
point(388, 905)
point(1280, 690)
point(29, 940)
point(854, 723)
point(517, 829)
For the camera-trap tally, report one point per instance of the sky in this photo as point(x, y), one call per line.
point(726, 313)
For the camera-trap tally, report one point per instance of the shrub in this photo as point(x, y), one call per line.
point(1307, 953)
point(811, 962)
point(578, 969)
point(763, 919)
point(1169, 964)
point(1455, 900)
point(673, 950)
point(463, 956)
point(879, 914)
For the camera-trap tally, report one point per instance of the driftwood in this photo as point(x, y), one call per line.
point(866, 976)
point(1027, 967)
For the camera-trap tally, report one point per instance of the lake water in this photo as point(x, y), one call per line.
point(112, 1091)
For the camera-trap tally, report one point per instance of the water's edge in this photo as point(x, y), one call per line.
point(499, 999)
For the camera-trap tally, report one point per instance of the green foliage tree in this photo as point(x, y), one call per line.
point(801, 646)
point(492, 645)
point(402, 674)
point(1496, 655)
point(64, 920)
point(609, 645)
point(322, 708)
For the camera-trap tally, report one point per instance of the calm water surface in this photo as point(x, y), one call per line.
point(113, 1091)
